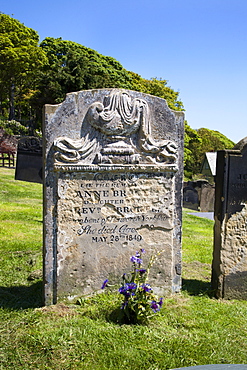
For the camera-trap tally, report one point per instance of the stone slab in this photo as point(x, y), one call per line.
point(229, 269)
point(199, 195)
point(29, 161)
point(113, 184)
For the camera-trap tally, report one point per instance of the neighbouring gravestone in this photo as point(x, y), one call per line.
point(29, 159)
point(113, 163)
point(190, 196)
point(229, 270)
point(207, 197)
point(199, 195)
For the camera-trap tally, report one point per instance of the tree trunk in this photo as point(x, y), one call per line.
point(12, 102)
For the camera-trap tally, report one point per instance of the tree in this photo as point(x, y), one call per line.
point(197, 143)
point(74, 67)
point(37, 75)
point(211, 141)
point(158, 88)
point(20, 59)
point(192, 142)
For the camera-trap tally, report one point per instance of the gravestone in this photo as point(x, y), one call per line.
point(190, 196)
point(207, 197)
point(229, 270)
point(199, 195)
point(113, 164)
point(29, 159)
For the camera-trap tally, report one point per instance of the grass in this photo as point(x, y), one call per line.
point(197, 252)
point(192, 329)
point(21, 213)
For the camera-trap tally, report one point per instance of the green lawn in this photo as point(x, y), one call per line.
point(192, 329)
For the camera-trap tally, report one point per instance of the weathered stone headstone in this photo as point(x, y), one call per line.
point(190, 196)
point(207, 197)
point(113, 185)
point(229, 270)
point(29, 159)
point(199, 195)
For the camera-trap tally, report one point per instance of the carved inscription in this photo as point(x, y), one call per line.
point(124, 211)
point(237, 184)
point(241, 182)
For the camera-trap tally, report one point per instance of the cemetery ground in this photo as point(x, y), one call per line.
point(193, 328)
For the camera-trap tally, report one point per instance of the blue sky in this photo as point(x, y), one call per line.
point(198, 46)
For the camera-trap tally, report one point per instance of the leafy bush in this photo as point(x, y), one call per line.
point(13, 127)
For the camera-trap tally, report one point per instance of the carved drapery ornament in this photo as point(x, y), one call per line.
point(119, 131)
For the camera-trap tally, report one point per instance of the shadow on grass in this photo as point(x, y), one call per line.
point(21, 297)
point(197, 287)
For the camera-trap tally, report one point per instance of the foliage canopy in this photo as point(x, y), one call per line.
point(32, 75)
point(197, 143)
point(73, 67)
point(20, 59)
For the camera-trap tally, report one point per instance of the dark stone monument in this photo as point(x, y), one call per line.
point(29, 159)
point(206, 197)
point(190, 196)
point(199, 195)
point(229, 270)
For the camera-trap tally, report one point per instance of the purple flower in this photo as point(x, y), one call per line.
point(155, 306)
point(143, 250)
point(146, 288)
point(104, 284)
point(142, 271)
point(131, 286)
point(135, 259)
point(161, 302)
point(125, 303)
point(124, 291)
point(128, 289)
